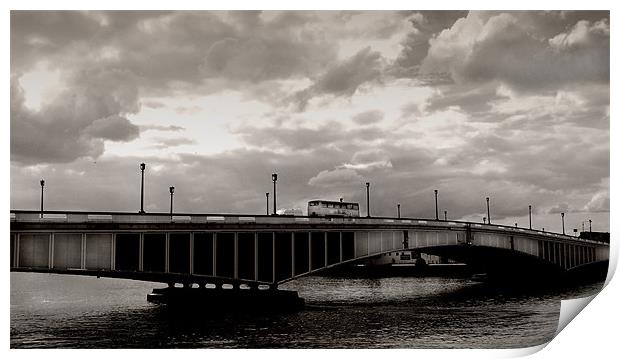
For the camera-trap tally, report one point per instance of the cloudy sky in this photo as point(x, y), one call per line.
point(510, 105)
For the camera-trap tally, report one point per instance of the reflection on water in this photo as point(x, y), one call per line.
point(84, 312)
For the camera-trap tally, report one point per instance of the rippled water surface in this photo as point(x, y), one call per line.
point(50, 310)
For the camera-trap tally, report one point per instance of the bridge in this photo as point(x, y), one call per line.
point(264, 251)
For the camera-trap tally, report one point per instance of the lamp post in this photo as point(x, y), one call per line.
point(445, 215)
point(368, 199)
point(42, 185)
point(488, 211)
point(530, 210)
point(516, 225)
point(171, 198)
point(398, 209)
point(274, 178)
point(563, 223)
point(484, 220)
point(267, 196)
point(589, 220)
point(142, 167)
point(436, 209)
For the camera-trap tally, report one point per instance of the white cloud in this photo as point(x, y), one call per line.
point(598, 203)
point(335, 178)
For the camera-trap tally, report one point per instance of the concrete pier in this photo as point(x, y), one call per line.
point(228, 299)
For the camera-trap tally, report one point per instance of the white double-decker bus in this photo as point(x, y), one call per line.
point(325, 208)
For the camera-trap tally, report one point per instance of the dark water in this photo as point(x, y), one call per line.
point(53, 311)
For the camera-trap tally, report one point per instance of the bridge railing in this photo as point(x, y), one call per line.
point(125, 217)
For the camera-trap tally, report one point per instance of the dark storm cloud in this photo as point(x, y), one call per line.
point(107, 58)
point(368, 117)
point(171, 128)
point(73, 126)
point(329, 134)
point(113, 128)
point(344, 78)
point(163, 143)
point(425, 25)
point(473, 100)
point(499, 46)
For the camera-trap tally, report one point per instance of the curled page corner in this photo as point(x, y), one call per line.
point(569, 309)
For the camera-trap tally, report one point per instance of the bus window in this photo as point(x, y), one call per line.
point(355, 206)
point(329, 205)
point(324, 205)
point(349, 206)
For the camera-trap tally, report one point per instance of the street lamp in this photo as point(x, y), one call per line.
point(563, 223)
point(484, 220)
point(42, 185)
point(267, 195)
point(516, 225)
point(171, 195)
point(398, 207)
point(488, 211)
point(368, 199)
point(274, 178)
point(436, 209)
point(142, 167)
point(589, 220)
point(530, 210)
point(445, 215)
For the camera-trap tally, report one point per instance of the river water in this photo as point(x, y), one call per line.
point(56, 311)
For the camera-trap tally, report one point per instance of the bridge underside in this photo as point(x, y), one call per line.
point(499, 263)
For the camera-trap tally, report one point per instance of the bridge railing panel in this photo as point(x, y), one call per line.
point(13, 250)
point(98, 251)
point(361, 244)
point(28, 217)
point(348, 245)
point(67, 250)
point(386, 241)
point(77, 217)
point(54, 217)
point(374, 242)
point(179, 253)
point(301, 252)
point(34, 250)
point(602, 253)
